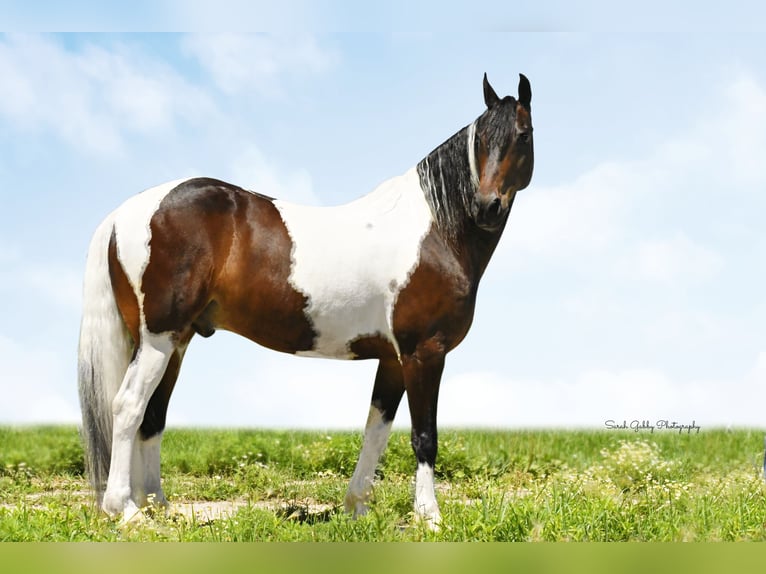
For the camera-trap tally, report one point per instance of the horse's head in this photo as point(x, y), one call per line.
point(503, 154)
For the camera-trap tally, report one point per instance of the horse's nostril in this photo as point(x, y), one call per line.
point(494, 207)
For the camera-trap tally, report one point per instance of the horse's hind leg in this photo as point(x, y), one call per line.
point(128, 407)
point(386, 396)
point(145, 478)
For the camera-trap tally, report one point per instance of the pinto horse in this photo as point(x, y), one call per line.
point(391, 276)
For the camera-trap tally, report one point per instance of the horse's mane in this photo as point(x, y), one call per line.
point(445, 176)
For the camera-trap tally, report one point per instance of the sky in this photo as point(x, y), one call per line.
point(629, 283)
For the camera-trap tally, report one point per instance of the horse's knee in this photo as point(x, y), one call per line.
point(128, 408)
point(141, 380)
point(155, 414)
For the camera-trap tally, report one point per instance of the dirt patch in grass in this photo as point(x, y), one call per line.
point(204, 511)
point(197, 511)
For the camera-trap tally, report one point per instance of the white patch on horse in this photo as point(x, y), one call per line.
point(375, 440)
point(426, 507)
point(352, 261)
point(133, 234)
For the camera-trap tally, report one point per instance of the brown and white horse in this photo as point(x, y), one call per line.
point(392, 276)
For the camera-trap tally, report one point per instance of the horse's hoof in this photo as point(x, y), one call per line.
point(431, 521)
point(354, 506)
point(132, 515)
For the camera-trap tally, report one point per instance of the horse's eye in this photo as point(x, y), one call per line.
point(524, 137)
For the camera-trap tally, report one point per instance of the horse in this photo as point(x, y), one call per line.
point(391, 276)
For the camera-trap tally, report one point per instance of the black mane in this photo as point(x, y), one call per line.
point(445, 176)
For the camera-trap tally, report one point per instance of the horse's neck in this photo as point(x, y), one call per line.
point(480, 246)
point(448, 178)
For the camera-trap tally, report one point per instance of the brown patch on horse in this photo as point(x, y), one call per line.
point(218, 260)
point(523, 118)
point(124, 295)
point(268, 310)
point(188, 235)
point(437, 301)
point(495, 182)
point(373, 347)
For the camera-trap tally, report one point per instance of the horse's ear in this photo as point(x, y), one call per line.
point(490, 97)
point(525, 91)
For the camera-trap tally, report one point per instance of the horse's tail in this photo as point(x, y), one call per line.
point(103, 357)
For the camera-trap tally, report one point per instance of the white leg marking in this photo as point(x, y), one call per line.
point(426, 507)
point(375, 440)
point(128, 407)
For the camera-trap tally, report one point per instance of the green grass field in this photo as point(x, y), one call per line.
point(595, 485)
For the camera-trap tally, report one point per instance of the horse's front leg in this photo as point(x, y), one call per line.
point(422, 375)
point(386, 396)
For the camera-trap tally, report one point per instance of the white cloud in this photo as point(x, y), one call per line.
point(289, 392)
point(592, 397)
point(53, 281)
point(244, 62)
point(575, 218)
point(91, 97)
point(673, 259)
point(607, 208)
point(230, 380)
point(252, 170)
point(743, 125)
point(687, 329)
point(587, 399)
point(30, 394)
point(311, 395)
point(252, 386)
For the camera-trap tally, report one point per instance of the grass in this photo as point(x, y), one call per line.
point(492, 486)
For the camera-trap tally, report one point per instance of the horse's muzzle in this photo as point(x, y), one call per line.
point(489, 214)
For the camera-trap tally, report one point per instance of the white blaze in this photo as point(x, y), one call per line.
point(352, 261)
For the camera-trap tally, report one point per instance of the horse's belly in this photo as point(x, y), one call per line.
point(343, 312)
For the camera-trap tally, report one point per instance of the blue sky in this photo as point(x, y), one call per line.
point(628, 285)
